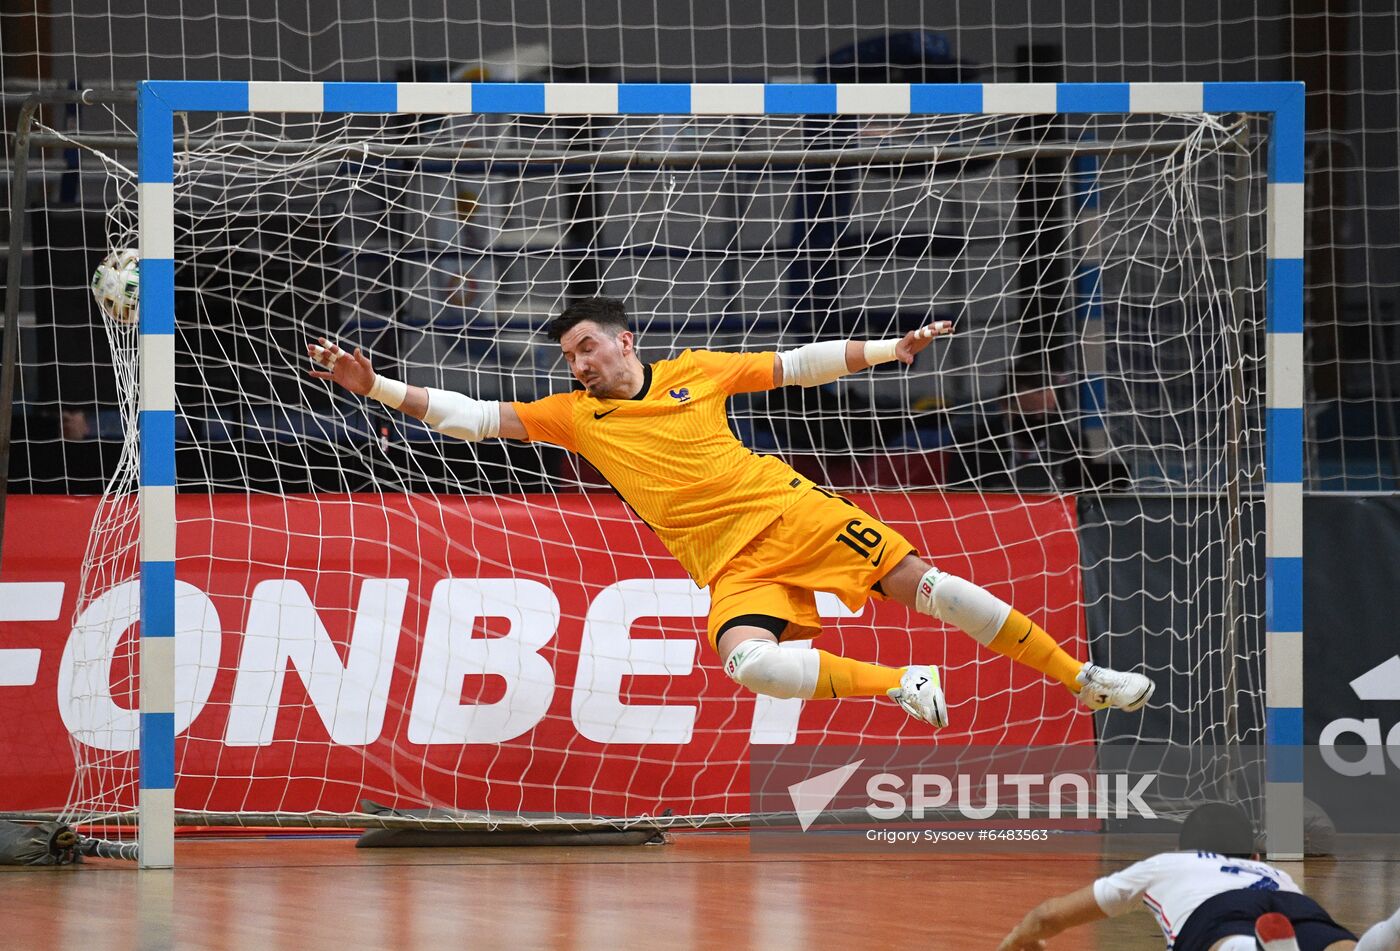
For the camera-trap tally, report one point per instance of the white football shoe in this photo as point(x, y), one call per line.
point(920, 693)
point(1101, 688)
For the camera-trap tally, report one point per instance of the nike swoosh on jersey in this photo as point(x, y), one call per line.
point(880, 557)
point(597, 415)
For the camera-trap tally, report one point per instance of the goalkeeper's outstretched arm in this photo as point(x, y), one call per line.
point(451, 414)
point(827, 361)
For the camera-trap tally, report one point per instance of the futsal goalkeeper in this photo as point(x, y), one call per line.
point(763, 538)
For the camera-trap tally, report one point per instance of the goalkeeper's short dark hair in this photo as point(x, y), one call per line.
point(1219, 827)
point(609, 313)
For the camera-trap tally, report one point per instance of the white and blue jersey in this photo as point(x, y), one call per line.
point(1174, 884)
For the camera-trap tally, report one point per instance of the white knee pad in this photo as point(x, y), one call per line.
point(766, 668)
point(962, 604)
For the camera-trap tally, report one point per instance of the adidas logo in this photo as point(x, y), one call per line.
point(1381, 682)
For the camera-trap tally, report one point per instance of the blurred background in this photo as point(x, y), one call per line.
point(1348, 53)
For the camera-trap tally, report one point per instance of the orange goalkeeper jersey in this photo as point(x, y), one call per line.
point(670, 454)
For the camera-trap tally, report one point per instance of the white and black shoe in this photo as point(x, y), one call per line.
point(1101, 688)
point(920, 693)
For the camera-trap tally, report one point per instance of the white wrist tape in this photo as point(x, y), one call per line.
point(454, 414)
point(813, 364)
point(880, 351)
point(391, 393)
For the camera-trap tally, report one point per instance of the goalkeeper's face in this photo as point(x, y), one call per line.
point(603, 359)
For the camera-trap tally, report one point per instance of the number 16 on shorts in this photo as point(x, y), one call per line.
point(866, 542)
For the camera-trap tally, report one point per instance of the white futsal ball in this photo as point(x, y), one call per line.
point(116, 285)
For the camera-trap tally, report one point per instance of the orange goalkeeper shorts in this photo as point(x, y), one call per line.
point(821, 543)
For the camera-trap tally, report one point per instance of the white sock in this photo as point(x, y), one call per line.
point(1240, 942)
point(1382, 936)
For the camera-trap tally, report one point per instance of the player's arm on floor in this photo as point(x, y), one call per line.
point(826, 361)
point(452, 414)
point(1052, 916)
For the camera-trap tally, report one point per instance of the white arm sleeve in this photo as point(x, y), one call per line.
point(454, 414)
point(813, 364)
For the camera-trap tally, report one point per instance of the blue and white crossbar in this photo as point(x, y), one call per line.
point(1282, 103)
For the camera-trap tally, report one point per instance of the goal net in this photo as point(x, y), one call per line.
point(368, 610)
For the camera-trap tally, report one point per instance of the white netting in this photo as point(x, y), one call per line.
point(370, 610)
point(1346, 55)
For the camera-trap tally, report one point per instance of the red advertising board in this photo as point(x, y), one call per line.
point(538, 652)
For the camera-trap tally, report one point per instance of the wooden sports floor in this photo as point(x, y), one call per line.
point(702, 890)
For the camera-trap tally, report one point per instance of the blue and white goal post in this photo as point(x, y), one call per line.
point(1281, 103)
